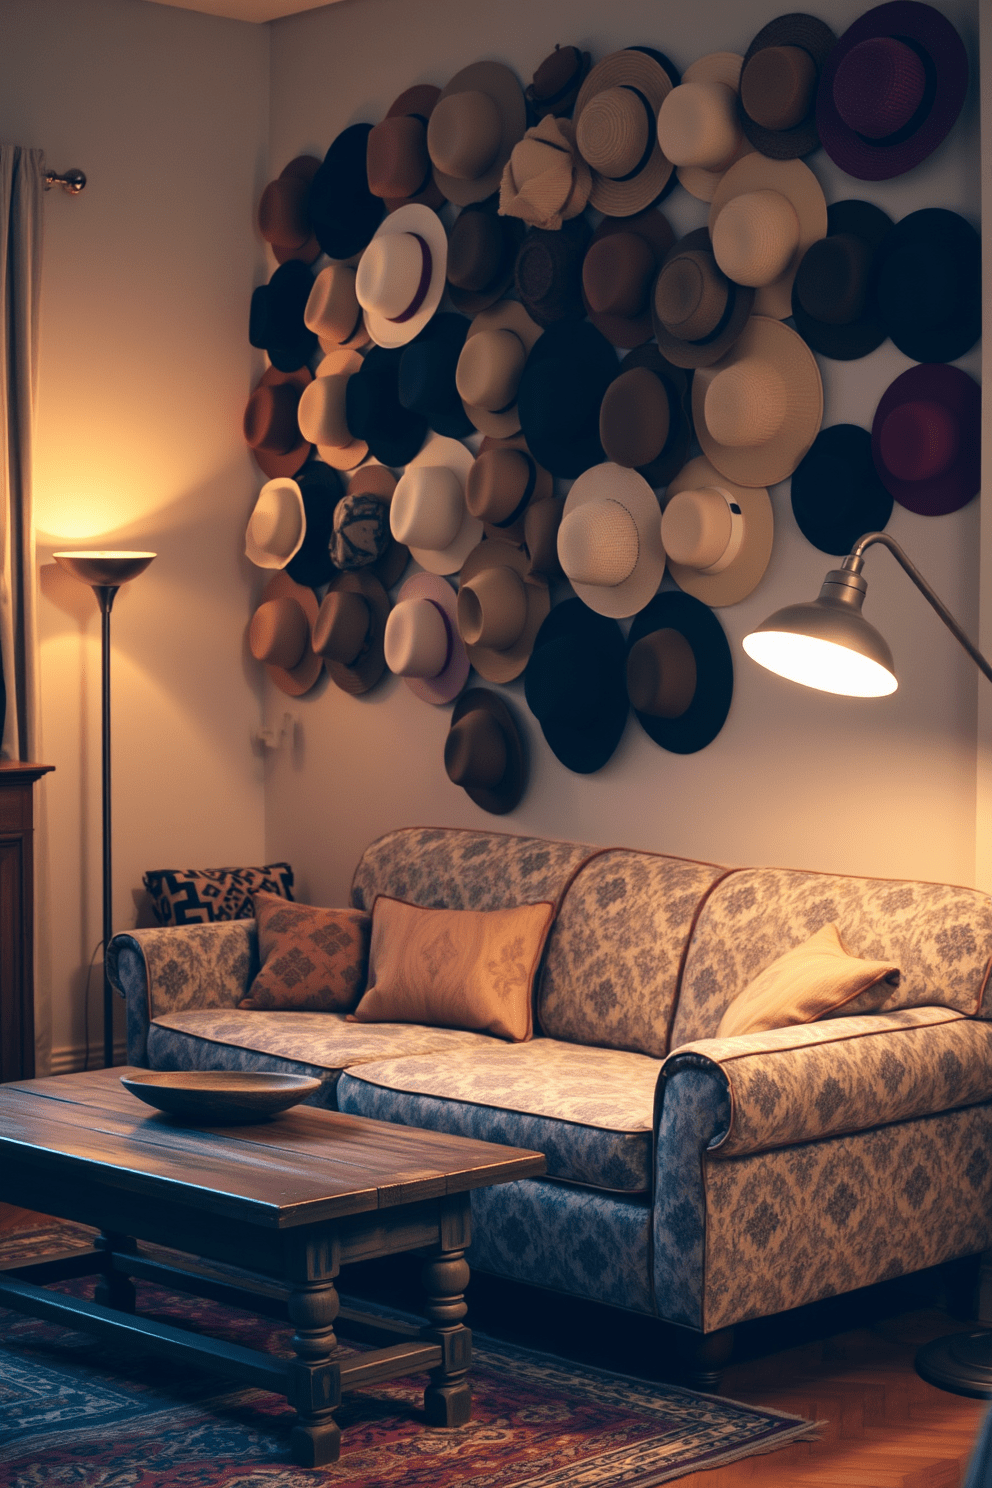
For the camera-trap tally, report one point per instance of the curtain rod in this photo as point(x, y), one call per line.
point(72, 181)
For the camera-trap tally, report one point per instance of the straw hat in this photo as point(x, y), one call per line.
point(680, 673)
point(503, 482)
point(548, 272)
point(616, 131)
point(484, 751)
point(490, 366)
point(618, 274)
point(275, 320)
point(545, 181)
point(763, 217)
point(836, 493)
point(396, 159)
point(280, 633)
point(400, 278)
point(556, 82)
point(422, 643)
point(697, 312)
point(699, 127)
point(929, 285)
point(362, 538)
point(427, 375)
point(428, 511)
point(333, 312)
point(779, 82)
point(560, 393)
point(322, 412)
point(343, 210)
point(644, 419)
point(475, 124)
point(609, 541)
point(758, 410)
point(718, 535)
point(349, 628)
point(374, 412)
point(500, 609)
point(926, 439)
point(482, 250)
point(284, 213)
point(270, 424)
point(834, 297)
point(574, 685)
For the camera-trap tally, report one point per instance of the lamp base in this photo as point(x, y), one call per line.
point(960, 1363)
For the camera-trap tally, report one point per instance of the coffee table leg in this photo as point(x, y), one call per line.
point(313, 1381)
point(448, 1397)
point(114, 1289)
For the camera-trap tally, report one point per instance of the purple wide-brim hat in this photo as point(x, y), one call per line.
point(945, 63)
point(938, 440)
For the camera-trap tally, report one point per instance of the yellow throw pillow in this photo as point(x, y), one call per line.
point(813, 980)
point(455, 968)
point(313, 960)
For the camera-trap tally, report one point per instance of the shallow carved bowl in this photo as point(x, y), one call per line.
point(219, 1097)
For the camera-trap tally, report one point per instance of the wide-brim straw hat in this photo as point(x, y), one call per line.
point(398, 165)
point(419, 506)
point(321, 488)
point(697, 312)
point(711, 522)
point(834, 295)
point(492, 360)
point(609, 541)
point(764, 215)
point(479, 117)
point(482, 251)
point(427, 375)
point(343, 211)
point(504, 482)
point(401, 274)
point(271, 427)
point(349, 629)
point(560, 393)
point(837, 495)
point(501, 607)
point(926, 439)
point(322, 412)
point(556, 82)
point(284, 215)
point(929, 285)
point(453, 664)
point(644, 418)
point(618, 274)
point(375, 480)
point(875, 132)
point(277, 524)
point(699, 126)
point(779, 83)
point(616, 131)
point(758, 410)
point(548, 272)
point(282, 626)
point(575, 685)
point(374, 412)
point(679, 662)
point(484, 751)
point(333, 312)
point(276, 322)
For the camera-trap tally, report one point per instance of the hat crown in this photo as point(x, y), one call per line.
point(661, 674)
point(489, 369)
point(464, 134)
point(321, 413)
point(832, 281)
point(745, 404)
point(617, 274)
point(397, 161)
point(919, 441)
point(475, 250)
point(342, 626)
point(361, 531)
point(283, 219)
point(778, 86)
point(878, 87)
point(332, 309)
point(755, 237)
point(279, 632)
point(635, 418)
point(492, 608)
point(690, 296)
point(599, 544)
point(276, 522)
point(697, 529)
point(698, 125)
point(270, 418)
point(427, 508)
point(613, 132)
point(568, 681)
point(475, 754)
point(497, 483)
point(390, 273)
point(417, 639)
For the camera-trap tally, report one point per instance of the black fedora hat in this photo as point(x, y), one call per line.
point(645, 420)
point(321, 489)
point(837, 495)
point(930, 285)
point(679, 674)
point(374, 412)
point(275, 321)
point(343, 212)
point(834, 295)
point(548, 271)
point(484, 751)
point(427, 375)
point(559, 396)
point(574, 685)
point(779, 80)
point(482, 250)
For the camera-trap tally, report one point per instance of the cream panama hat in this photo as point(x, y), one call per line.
point(699, 126)
point(500, 609)
point(489, 366)
point(333, 312)
point(277, 525)
point(400, 276)
point(321, 414)
point(421, 642)
point(609, 541)
point(717, 534)
point(763, 217)
point(428, 512)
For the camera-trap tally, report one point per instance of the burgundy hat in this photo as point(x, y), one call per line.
point(271, 426)
point(644, 419)
point(618, 274)
point(834, 295)
point(284, 213)
point(926, 439)
point(891, 90)
point(778, 87)
point(482, 249)
point(399, 167)
point(556, 83)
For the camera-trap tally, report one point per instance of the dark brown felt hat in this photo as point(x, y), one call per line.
point(484, 751)
point(697, 312)
point(501, 607)
point(556, 83)
point(349, 630)
point(482, 249)
point(779, 82)
point(477, 120)
point(548, 272)
point(284, 214)
point(834, 295)
point(541, 522)
point(644, 420)
point(270, 422)
point(618, 274)
point(399, 167)
point(503, 482)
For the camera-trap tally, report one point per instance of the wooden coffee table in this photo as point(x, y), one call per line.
point(286, 1203)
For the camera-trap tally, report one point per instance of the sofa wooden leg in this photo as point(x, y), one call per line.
point(704, 1359)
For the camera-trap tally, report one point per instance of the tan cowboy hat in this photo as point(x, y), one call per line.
point(360, 531)
point(763, 217)
point(322, 412)
point(396, 159)
point(500, 609)
point(428, 511)
point(609, 541)
point(277, 525)
point(699, 126)
point(283, 212)
point(333, 312)
point(496, 348)
point(545, 181)
point(400, 277)
point(280, 635)
point(475, 124)
point(758, 410)
point(349, 628)
point(504, 480)
point(618, 274)
point(616, 130)
point(718, 535)
point(484, 751)
point(422, 643)
point(270, 422)
point(697, 312)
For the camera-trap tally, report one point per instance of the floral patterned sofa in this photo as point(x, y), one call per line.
point(700, 1180)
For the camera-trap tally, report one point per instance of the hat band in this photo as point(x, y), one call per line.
point(652, 137)
point(528, 493)
point(448, 637)
point(923, 108)
point(354, 330)
point(420, 294)
point(734, 543)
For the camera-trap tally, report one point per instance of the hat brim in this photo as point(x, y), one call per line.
point(418, 100)
point(362, 674)
point(774, 460)
point(376, 480)
point(449, 683)
point(506, 315)
point(797, 183)
point(501, 798)
point(504, 666)
point(343, 211)
point(500, 84)
point(585, 748)
point(716, 67)
point(544, 486)
point(259, 556)
point(691, 354)
point(350, 455)
point(294, 459)
point(673, 453)
point(295, 681)
point(641, 69)
point(796, 30)
point(577, 351)
point(608, 482)
point(428, 226)
point(962, 246)
point(458, 457)
point(707, 713)
point(745, 572)
point(632, 330)
point(321, 488)
point(855, 338)
point(836, 493)
point(471, 301)
point(961, 394)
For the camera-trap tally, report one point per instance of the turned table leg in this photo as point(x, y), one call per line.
point(448, 1397)
point(313, 1381)
point(114, 1289)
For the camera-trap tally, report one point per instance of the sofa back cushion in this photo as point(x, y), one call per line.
point(938, 935)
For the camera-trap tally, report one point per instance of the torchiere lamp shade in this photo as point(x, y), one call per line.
point(104, 568)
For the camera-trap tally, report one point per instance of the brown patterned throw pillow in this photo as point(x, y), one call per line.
point(199, 896)
point(313, 960)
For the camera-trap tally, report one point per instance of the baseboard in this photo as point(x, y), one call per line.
point(72, 1057)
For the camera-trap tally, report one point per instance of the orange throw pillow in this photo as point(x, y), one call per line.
point(455, 968)
point(313, 960)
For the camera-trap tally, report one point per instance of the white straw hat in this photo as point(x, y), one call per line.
point(699, 127)
point(609, 541)
point(717, 534)
point(400, 276)
point(421, 642)
point(322, 411)
point(763, 217)
point(277, 525)
point(428, 512)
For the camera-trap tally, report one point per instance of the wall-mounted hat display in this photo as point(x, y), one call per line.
point(321, 488)
point(644, 419)
point(699, 127)
point(271, 428)
point(763, 217)
point(482, 250)
point(837, 495)
point(428, 511)
point(575, 685)
point(891, 90)
point(758, 409)
point(560, 393)
point(275, 322)
point(926, 439)
point(834, 295)
point(717, 534)
point(333, 312)
point(284, 213)
point(484, 751)
point(475, 124)
point(609, 541)
point(422, 643)
point(616, 116)
point(374, 412)
point(343, 211)
point(679, 673)
point(779, 82)
point(545, 181)
point(548, 272)
point(542, 520)
point(427, 375)
point(500, 609)
point(503, 481)
point(400, 277)
point(556, 82)
point(322, 412)
point(277, 524)
point(696, 311)
point(929, 284)
point(618, 274)
point(491, 364)
point(362, 538)
point(349, 629)
point(396, 160)
point(280, 634)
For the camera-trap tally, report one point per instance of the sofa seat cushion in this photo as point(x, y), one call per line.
point(590, 1111)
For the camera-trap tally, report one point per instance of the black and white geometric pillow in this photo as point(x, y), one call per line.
point(199, 896)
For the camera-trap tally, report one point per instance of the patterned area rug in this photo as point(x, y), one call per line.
point(74, 1411)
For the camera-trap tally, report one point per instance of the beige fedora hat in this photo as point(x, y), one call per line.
point(501, 607)
point(496, 348)
point(699, 125)
point(476, 122)
point(763, 217)
point(504, 481)
point(717, 534)
point(428, 512)
point(758, 409)
point(545, 181)
point(349, 628)
point(401, 274)
point(277, 525)
point(333, 312)
point(321, 413)
point(609, 541)
point(616, 130)
point(422, 644)
point(280, 635)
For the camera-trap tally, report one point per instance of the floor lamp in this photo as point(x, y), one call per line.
point(105, 572)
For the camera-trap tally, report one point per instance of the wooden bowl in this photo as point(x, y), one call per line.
point(219, 1097)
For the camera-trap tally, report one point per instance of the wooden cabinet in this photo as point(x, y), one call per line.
point(17, 918)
